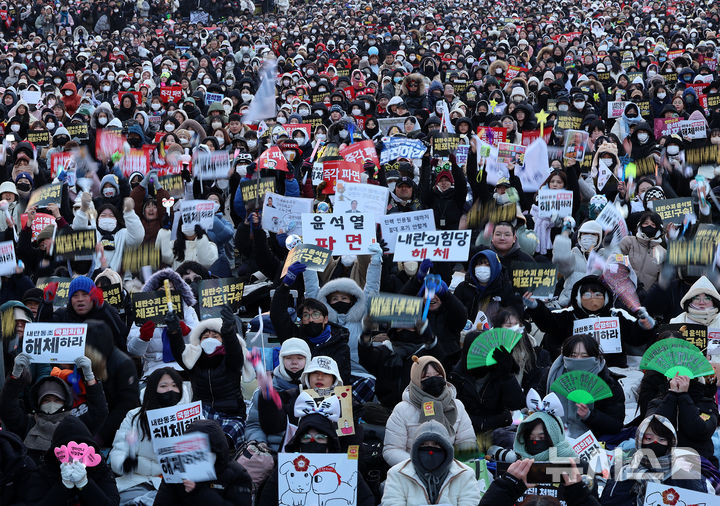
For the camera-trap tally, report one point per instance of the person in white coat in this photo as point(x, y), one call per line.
point(428, 397)
point(700, 304)
point(132, 457)
point(192, 245)
point(572, 261)
point(431, 475)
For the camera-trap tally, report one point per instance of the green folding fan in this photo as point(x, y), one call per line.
point(673, 356)
point(481, 350)
point(582, 387)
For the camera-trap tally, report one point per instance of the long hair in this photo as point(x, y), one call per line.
point(179, 244)
point(150, 400)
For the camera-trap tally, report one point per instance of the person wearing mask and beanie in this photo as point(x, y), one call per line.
point(294, 356)
point(112, 189)
point(571, 261)
point(644, 250)
point(428, 384)
point(431, 475)
point(446, 197)
point(700, 304)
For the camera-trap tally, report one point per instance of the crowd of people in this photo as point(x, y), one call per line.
point(112, 110)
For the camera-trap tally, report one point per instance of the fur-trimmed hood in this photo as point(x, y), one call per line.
point(417, 78)
point(498, 64)
point(192, 351)
point(344, 285)
point(156, 283)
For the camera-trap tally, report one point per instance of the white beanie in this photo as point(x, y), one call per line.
point(295, 346)
point(321, 364)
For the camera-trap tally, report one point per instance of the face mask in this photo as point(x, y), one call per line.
point(106, 88)
point(643, 137)
point(673, 150)
point(356, 112)
point(229, 82)
point(579, 364)
point(126, 84)
point(50, 126)
point(155, 106)
point(661, 95)
point(169, 127)
point(605, 162)
point(579, 105)
point(251, 144)
point(537, 446)
point(102, 120)
point(433, 385)
point(216, 124)
point(169, 398)
point(341, 307)
point(207, 81)
point(220, 140)
point(57, 81)
point(313, 329)
point(347, 260)
point(282, 120)
point(587, 242)
point(660, 450)
point(15, 127)
point(107, 224)
point(111, 77)
point(563, 107)
point(313, 447)
point(210, 344)
point(482, 273)
point(431, 457)
point(649, 231)
point(50, 408)
point(246, 97)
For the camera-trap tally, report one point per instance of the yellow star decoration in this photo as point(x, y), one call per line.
point(596, 97)
point(493, 103)
point(542, 117)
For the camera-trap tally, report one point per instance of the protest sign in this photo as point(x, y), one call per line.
point(54, 343)
point(283, 214)
point(32, 97)
point(401, 147)
point(657, 494)
point(63, 288)
point(444, 144)
point(694, 129)
point(492, 135)
point(576, 142)
point(317, 173)
point(8, 262)
point(392, 126)
point(173, 184)
point(317, 478)
point(292, 127)
point(438, 246)
point(696, 335)
point(170, 93)
point(135, 258)
point(39, 137)
point(708, 232)
point(702, 155)
point(694, 252)
point(345, 425)
point(211, 165)
point(343, 234)
point(554, 202)
point(545, 489)
point(41, 221)
point(667, 126)
point(397, 223)
point(713, 100)
point(510, 155)
point(606, 331)
point(215, 293)
point(340, 170)
point(402, 311)
point(198, 212)
point(213, 97)
point(568, 121)
point(137, 160)
point(75, 243)
point(589, 450)
point(616, 109)
point(314, 257)
point(187, 458)
point(113, 295)
point(540, 279)
point(59, 162)
point(272, 159)
point(253, 191)
point(361, 198)
point(79, 130)
point(153, 306)
point(533, 168)
point(108, 142)
point(359, 152)
point(672, 210)
point(168, 424)
point(612, 223)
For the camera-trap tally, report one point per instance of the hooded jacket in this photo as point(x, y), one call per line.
point(418, 99)
point(105, 313)
point(73, 101)
point(702, 285)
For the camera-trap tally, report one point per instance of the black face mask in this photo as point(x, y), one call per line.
point(341, 307)
point(658, 449)
point(294, 376)
point(535, 446)
point(431, 457)
point(313, 329)
point(433, 385)
point(313, 447)
point(649, 231)
point(24, 187)
point(169, 398)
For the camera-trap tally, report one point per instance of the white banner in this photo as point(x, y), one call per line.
point(211, 165)
point(54, 343)
point(187, 458)
point(198, 212)
point(438, 246)
point(612, 222)
point(343, 234)
point(284, 214)
point(616, 109)
point(658, 494)
point(8, 261)
point(535, 168)
point(317, 173)
point(557, 202)
point(605, 329)
point(398, 223)
point(361, 198)
point(590, 451)
point(695, 129)
point(168, 424)
point(317, 478)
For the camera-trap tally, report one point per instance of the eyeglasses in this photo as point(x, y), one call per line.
point(593, 295)
point(315, 315)
point(318, 438)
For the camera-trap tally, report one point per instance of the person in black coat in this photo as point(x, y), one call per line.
point(232, 485)
point(19, 478)
point(444, 194)
point(95, 486)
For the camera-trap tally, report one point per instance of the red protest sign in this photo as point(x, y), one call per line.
point(58, 162)
point(492, 135)
point(170, 94)
point(358, 152)
point(529, 136)
point(272, 158)
point(513, 71)
point(108, 142)
point(290, 128)
point(340, 170)
point(136, 94)
point(137, 160)
point(41, 221)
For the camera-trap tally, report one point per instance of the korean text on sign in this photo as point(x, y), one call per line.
point(54, 343)
point(438, 246)
point(169, 423)
point(343, 234)
point(606, 331)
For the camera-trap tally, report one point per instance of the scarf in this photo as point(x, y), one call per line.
point(39, 437)
point(641, 472)
point(702, 316)
point(323, 337)
point(443, 409)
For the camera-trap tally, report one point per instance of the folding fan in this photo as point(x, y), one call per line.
point(673, 356)
point(481, 350)
point(582, 387)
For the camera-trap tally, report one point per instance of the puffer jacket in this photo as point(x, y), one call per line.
point(201, 250)
point(403, 427)
point(253, 429)
point(404, 486)
point(646, 258)
point(702, 285)
point(571, 264)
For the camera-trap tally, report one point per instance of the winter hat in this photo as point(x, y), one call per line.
point(81, 283)
point(45, 233)
point(447, 174)
point(112, 276)
point(51, 388)
point(518, 91)
point(24, 175)
point(295, 346)
point(112, 180)
point(427, 464)
point(419, 365)
point(321, 364)
point(654, 193)
point(9, 187)
point(591, 227)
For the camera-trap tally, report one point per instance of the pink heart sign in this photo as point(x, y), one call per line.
point(62, 454)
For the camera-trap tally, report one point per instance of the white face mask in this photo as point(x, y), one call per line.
point(343, 134)
point(107, 224)
point(126, 84)
point(220, 140)
point(356, 112)
point(102, 120)
point(155, 106)
point(188, 229)
point(643, 137)
point(169, 127)
point(563, 107)
point(207, 81)
point(106, 88)
point(109, 192)
point(579, 105)
point(321, 137)
point(661, 95)
point(673, 149)
point(50, 126)
point(482, 273)
point(410, 268)
point(15, 127)
point(246, 97)
point(604, 162)
point(210, 344)
point(216, 124)
point(252, 144)
point(347, 260)
point(50, 408)
point(241, 170)
point(68, 93)
point(587, 241)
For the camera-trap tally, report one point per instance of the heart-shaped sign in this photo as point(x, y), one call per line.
point(61, 452)
point(168, 203)
point(91, 458)
point(77, 450)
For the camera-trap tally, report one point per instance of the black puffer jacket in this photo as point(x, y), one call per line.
point(19, 478)
point(447, 206)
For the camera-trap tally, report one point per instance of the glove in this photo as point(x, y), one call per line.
point(424, 268)
point(568, 224)
point(22, 362)
point(130, 464)
point(505, 362)
point(85, 200)
point(293, 272)
point(173, 323)
point(185, 173)
point(530, 303)
point(66, 474)
point(83, 363)
point(384, 245)
point(376, 251)
point(147, 330)
point(229, 327)
point(50, 291)
point(96, 295)
point(78, 474)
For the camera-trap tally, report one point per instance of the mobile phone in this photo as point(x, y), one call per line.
point(547, 472)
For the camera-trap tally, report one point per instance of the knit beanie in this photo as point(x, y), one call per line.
point(81, 283)
point(419, 365)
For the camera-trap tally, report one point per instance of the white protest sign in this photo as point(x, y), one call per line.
point(606, 331)
point(213, 97)
point(438, 246)
point(695, 129)
point(210, 165)
point(554, 202)
point(54, 343)
point(361, 198)
point(284, 214)
point(590, 451)
point(401, 147)
point(535, 168)
point(8, 262)
point(658, 494)
point(187, 458)
point(32, 97)
point(167, 424)
point(317, 173)
point(198, 212)
point(398, 223)
point(612, 222)
point(615, 109)
point(343, 234)
point(317, 478)
point(487, 155)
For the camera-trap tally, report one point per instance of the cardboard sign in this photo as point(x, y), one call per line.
point(283, 214)
point(317, 478)
point(272, 159)
point(340, 170)
point(41, 221)
point(402, 311)
point(135, 258)
point(568, 121)
point(359, 152)
point(438, 246)
point(137, 160)
point(314, 257)
point(696, 335)
point(657, 494)
point(198, 212)
point(153, 306)
point(673, 210)
point(173, 184)
point(75, 242)
point(170, 94)
point(606, 331)
point(540, 279)
point(343, 234)
point(615, 109)
point(554, 202)
point(400, 147)
point(8, 261)
point(39, 137)
point(215, 293)
point(361, 198)
point(188, 457)
point(694, 252)
point(63, 289)
point(493, 135)
point(113, 295)
point(253, 191)
point(59, 162)
point(54, 343)
point(444, 144)
point(399, 223)
point(168, 424)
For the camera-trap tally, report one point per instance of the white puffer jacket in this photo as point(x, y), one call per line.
point(404, 486)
